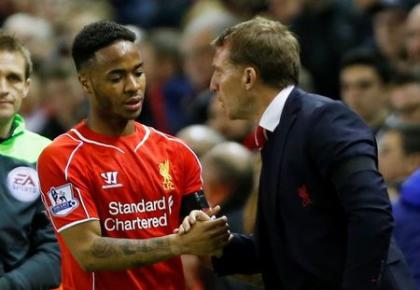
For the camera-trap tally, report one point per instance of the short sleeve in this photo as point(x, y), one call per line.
point(64, 187)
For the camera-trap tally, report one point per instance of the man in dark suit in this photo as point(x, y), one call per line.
point(324, 219)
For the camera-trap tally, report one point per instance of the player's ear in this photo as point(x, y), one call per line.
point(86, 85)
point(249, 77)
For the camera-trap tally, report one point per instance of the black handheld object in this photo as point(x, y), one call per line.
point(195, 200)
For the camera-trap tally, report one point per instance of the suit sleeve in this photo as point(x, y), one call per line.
point(239, 257)
point(338, 136)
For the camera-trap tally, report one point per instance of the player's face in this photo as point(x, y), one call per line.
point(228, 84)
point(116, 82)
point(13, 84)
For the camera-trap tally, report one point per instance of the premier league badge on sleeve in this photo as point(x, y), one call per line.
point(62, 200)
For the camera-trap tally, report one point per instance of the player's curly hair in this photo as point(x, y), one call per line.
point(95, 36)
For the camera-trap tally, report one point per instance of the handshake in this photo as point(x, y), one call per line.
point(201, 234)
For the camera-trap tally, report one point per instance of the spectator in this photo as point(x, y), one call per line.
point(413, 38)
point(399, 155)
point(168, 90)
point(322, 46)
point(407, 227)
point(35, 32)
point(228, 180)
point(389, 33)
point(198, 53)
point(63, 99)
point(200, 138)
point(364, 82)
point(405, 99)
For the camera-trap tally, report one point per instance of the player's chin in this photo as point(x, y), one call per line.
point(132, 115)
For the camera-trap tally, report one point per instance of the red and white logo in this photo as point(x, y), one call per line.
point(23, 183)
point(110, 179)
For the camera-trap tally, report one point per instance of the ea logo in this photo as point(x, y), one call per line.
point(23, 183)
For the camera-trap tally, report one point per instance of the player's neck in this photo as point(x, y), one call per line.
point(111, 127)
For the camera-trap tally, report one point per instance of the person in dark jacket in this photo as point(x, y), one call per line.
point(324, 219)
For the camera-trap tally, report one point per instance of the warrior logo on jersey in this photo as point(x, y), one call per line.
point(62, 200)
point(110, 179)
point(23, 183)
point(166, 175)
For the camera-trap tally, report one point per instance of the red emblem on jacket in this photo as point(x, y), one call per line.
point(304, 195)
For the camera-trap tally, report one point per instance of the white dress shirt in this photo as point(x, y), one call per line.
point(270, 119)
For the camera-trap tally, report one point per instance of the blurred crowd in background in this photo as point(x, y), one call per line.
point(363, 52)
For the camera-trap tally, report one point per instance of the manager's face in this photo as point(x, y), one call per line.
point(228, 82)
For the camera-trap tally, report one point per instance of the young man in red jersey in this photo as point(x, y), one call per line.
point(115, 189)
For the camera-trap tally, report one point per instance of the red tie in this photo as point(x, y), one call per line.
point(260, 137)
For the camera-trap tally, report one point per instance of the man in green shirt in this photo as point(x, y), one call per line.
point(29, 255)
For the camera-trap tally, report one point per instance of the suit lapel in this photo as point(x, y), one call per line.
point(273, 152)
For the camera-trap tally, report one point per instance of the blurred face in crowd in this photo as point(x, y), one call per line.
point(63, 99)
point(115, 82)
point(14, 85)
point(150, 66)
point(394, 163)
point(405, 98)
point(212, 185)
point(198, 55)
point(364, 4)
point(285, 10)
point(413, 36)
point(389, 28)
point(363, 91)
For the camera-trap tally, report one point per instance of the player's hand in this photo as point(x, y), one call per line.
point(204, 237)
point(196, 215)
point(213, 211)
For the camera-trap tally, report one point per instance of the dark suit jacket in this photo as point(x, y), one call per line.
point(314, 232)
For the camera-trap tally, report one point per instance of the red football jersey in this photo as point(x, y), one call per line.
point(132, 184)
